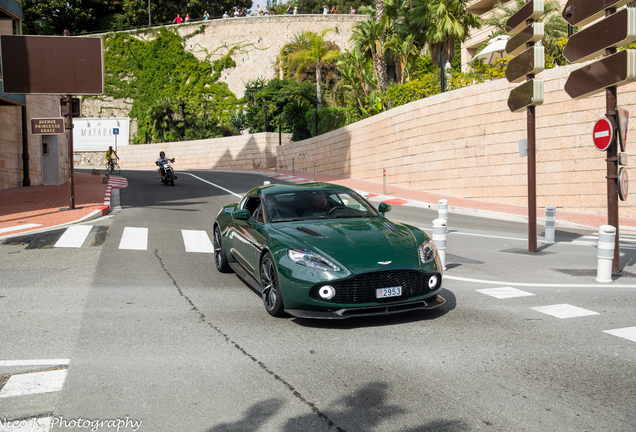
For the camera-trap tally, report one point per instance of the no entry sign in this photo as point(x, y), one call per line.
point(603, 134)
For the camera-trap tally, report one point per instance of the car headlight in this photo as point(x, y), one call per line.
point(428, 251)
point(310, 259)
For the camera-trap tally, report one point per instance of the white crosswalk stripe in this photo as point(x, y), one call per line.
point(34, 383)
point(197, 241)
point(134, 239)
point(628, 333)
point(564, 311)
point(505, 292)
point(74, 236)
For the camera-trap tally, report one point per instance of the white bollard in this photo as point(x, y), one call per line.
point(442, 210)
point(550, 222)
point(606, 238)
point(439, 238)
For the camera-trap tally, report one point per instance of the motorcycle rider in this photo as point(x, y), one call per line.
point(163, 158)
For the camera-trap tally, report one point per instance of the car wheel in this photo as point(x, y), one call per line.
point(220, 259)
point(270, 287)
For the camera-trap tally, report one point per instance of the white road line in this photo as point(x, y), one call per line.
point(134, 238)
point(526, 284)
point(15, 228)
point(197, 241)
point(564, 311)
point(74, 236)
point(35, 362)
point(34, 383)
point(215, 185)
point(628, 333)
point(504, 293)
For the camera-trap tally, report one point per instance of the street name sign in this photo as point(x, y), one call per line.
point(531, 11)
point(602, 134)
point(52, 65)
point(615, 70)
point(529, 62)
point(527, 94)
point(583, 12)
point(614, 31)
point(530, 34)
point(47, 126)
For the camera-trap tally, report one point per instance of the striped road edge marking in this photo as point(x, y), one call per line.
point(134, 239)
point(197, 241)
point(628, 333)
point(74, 236)
point(34, 383)
point(35, 362)
point(16, 228)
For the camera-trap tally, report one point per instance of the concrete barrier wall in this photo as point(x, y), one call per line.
point(464, 143)
point(233, 153)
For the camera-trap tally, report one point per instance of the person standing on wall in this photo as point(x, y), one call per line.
point(177, 19)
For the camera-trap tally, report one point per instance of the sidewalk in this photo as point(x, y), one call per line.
point(403, 196)
point(24, 209)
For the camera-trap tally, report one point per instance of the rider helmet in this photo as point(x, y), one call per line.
point(162, 154)
point(110, 147)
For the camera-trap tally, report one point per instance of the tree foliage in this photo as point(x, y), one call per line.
point(174, 95)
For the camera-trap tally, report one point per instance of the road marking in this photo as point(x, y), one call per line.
point(628, 333)
point(74, 236)
point(564, 311)
point(197, 241)
point(134, 238)
point(526, 284)
point(38, 362)
point(16, 228)
point(215, 185)
point(34, 383)
point(504, 293)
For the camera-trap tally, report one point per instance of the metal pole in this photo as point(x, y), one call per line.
point(612, 165)
point(149, 15)
point(293, 170)
point(275, 165)
point(532, 182)
point(69, 138)
point(26, 180)
point(443, 75)
point(314, 170)
point(280, 133)
point(265, 119)
point(316, 122)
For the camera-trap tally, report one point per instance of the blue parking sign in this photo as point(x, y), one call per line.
point(115, 131)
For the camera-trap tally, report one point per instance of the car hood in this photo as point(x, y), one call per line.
point(362, 245)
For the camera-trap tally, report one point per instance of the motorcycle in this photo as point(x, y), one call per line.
point(167, 174)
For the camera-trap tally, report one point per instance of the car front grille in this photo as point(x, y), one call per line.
point(361, 289)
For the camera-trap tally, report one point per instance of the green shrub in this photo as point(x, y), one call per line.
point(330, 118)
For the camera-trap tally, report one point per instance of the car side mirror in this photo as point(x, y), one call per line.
point(384, 208)
point(241, 214)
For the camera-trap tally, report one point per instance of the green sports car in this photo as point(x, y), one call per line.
point(320, 250)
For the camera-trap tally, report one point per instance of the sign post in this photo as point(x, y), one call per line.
point(529, 61)
point(607, 74)
point(115, 132)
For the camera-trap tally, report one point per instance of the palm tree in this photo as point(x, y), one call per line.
point(367, 39)
point(314, 51)
point(401, 49)
point(444, 22)
point(555, 27)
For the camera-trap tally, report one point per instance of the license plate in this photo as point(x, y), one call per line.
point(388, 292)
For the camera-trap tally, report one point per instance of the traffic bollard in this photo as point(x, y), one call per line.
point(275, 165)
point(550, 222)
point(293, 169)
point(439, 238)
point(442, 210)
point(606, 238)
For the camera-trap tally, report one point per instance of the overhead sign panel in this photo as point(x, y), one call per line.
point(530, 34)
point(527, 94)
point(614, 31)
point(583, 12)
point(52, 65)
point(531, 11)
point(615, 70)
point(529, 62)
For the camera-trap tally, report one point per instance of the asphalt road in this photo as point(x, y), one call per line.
point(158, 336)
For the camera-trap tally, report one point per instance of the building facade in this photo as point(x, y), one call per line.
point(27, 159)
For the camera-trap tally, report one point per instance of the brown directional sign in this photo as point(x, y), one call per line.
point(52, 65)
point(615, 70)
point(527, 94)
point(531, 11)
point(614, 31)
point(517, 44)
point(47, 126)
point(583, 12)
point(529, 62)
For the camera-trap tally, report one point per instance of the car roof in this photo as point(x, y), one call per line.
point(283, 188)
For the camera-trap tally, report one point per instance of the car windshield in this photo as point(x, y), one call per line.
point(322, 204)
